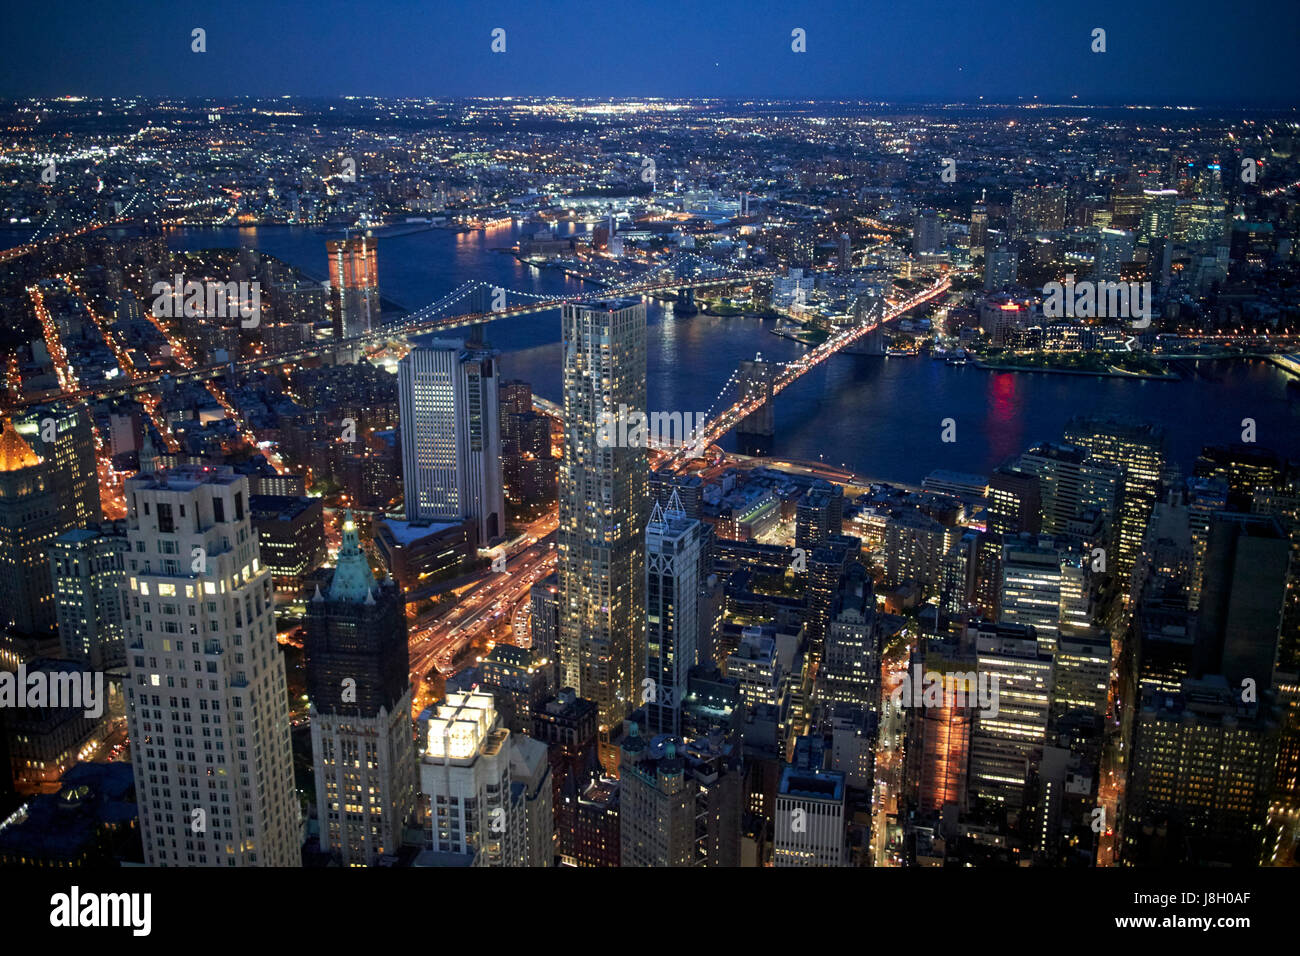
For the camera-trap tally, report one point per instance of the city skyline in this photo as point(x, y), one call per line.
point(770, 437)
point(742, 51)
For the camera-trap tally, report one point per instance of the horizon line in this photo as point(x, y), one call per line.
point(1021, 102)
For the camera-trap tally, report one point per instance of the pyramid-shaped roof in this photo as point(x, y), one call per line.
point(353, 579)
point(15, 453)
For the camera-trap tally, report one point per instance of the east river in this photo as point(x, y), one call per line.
point(879, 417)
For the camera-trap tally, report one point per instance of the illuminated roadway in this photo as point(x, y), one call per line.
point(488, 602)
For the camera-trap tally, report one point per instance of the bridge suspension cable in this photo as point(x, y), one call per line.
point(746, 405)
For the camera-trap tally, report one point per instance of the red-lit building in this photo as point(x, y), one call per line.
point(354, 282)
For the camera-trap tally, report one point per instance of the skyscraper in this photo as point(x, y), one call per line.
point(680, 803)
point(354, 277)
point(672, 576)
point(809, 825)
point(596, 825)
point(1070, 482)
point(1006, 745)
point(465, 770)
point(531, 796)
point(88, 568)
point(1114, 248)
point(519, 680)
point(1001, 267)
point(1038, 209)
point(202, 658)
point(31, 517)
point(818, 515)
point(65, 438)
point(1157, 216)
point(927, 232)
point(603, 496)
point(937, 755)
point(1138, 449)
point(567, 724)
point(850, 668)
point(756, 667)
point(1045, 586)
point(979, 229)
point(1013, 502)
point(291, 530)
point(359, 688)
point(826, 565)
point(1202, 768)
point(1284, 504)
point(544, 620)
point(1241, 603)
point(1243, 467)
point(1206, 497)
point(451, 435)
point(1081, 675)
point(529, 473)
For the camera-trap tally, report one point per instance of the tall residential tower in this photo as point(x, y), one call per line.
point(354, 278)
point(206, 700)
point(603, 498)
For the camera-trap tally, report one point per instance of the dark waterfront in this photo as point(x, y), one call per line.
point(880, 417)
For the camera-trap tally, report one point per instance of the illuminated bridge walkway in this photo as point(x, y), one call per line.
point(75, 224)
point(751, 400)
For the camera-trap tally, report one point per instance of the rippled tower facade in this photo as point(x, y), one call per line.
point(603, 498)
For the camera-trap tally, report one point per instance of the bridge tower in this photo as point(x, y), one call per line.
point(756, 431)
point(480, 301)
point(685, 304)
point(869, 308)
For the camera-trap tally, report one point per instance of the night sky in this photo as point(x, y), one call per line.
point(1200, 52)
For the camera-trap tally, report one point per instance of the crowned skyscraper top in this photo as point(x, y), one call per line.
point(359, 685)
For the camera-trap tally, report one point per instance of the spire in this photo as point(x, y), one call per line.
point(148, 454)
point(353, 578)
point(675, 508)
point(656, 514)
